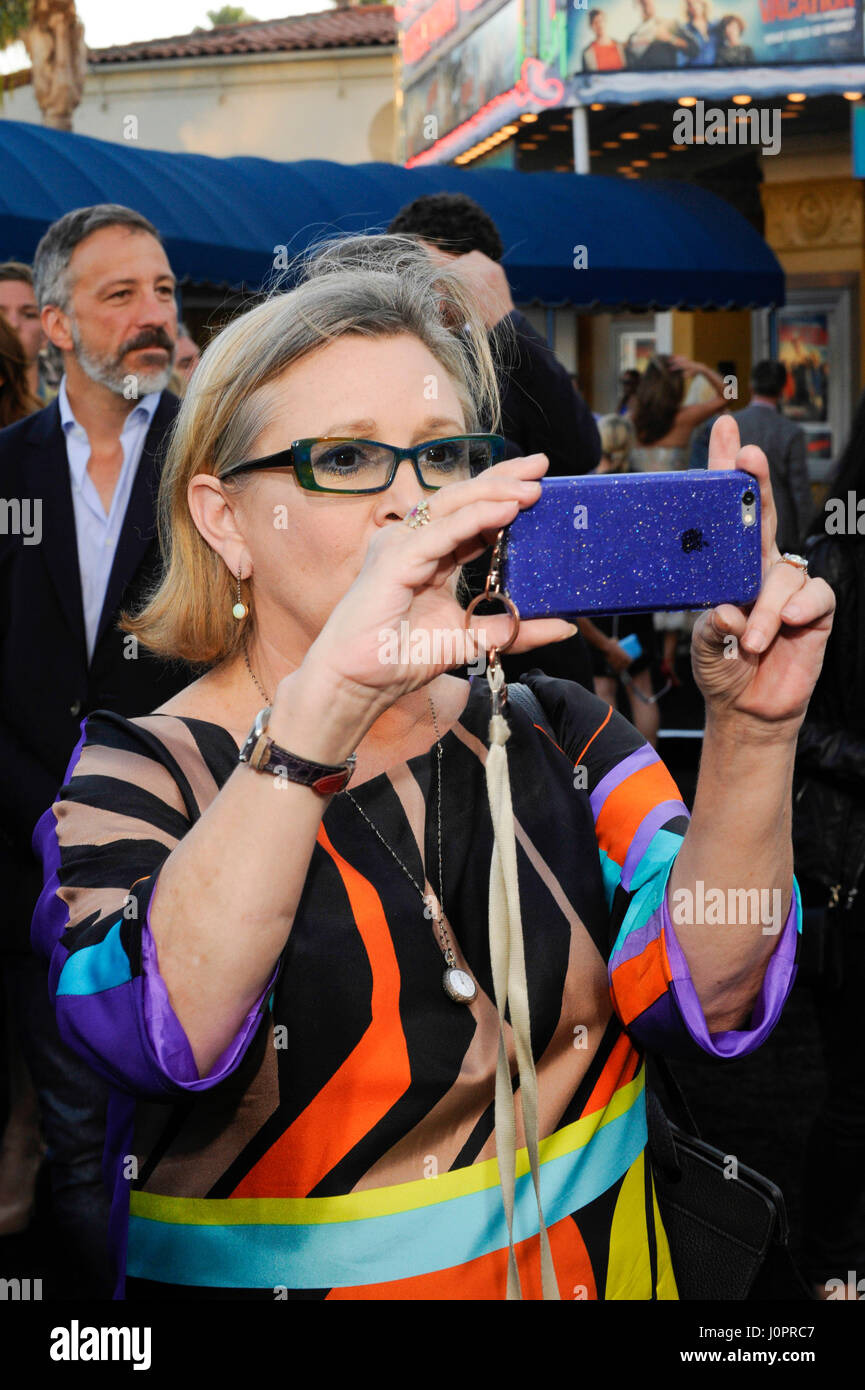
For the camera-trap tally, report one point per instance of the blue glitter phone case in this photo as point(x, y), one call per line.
point(632, 542)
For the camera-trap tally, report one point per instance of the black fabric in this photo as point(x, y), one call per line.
point(829, 793)
point(541, 410)
point(46, 683)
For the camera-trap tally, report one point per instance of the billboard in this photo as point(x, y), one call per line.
point(448, 82)
point(612, 36)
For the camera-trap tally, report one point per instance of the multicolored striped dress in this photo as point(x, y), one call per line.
point(342, 1146)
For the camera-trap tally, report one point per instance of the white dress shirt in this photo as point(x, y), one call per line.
point(97, 533)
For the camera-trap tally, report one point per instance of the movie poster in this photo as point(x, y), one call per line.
point(803, 347)
point(664, 35)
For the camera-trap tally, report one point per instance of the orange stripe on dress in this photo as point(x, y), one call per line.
point(619, 1068)
point(627, 806)
point(487, 1276)
point(368, 1083)
point(603, 724)
point(638, 982)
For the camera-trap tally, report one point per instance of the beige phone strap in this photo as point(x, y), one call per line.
point(508, 961)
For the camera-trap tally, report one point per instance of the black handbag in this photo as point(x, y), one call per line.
point(728, 1235)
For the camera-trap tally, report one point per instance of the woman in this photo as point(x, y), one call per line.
point(604, 634)
point(663, 427)
point(732, 52)
point(662, 423)
point(829, 836)
point(304, 1099)
point(21, 1149)
point(16, 398)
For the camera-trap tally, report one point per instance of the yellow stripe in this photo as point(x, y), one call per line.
point(378, 1201)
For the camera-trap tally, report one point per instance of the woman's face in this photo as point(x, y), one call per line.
point(304, 548)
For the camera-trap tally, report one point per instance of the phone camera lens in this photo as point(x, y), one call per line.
point(748, 497)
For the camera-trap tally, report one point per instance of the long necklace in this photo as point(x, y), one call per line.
point(457, 984)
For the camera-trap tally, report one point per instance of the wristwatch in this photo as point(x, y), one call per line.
point(262, 754)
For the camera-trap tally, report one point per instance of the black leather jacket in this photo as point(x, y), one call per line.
point(829, 791)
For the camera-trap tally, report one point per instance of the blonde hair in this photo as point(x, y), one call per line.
point(617, 441)
point(368, 286)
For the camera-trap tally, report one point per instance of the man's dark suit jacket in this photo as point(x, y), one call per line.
point(541, 411)
point(46, 684)
point(784, 445)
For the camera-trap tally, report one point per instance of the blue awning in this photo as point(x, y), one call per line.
point(647, 244)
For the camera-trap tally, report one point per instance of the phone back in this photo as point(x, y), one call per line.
point(625, 543)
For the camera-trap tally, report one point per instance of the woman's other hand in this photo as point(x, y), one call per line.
point(761, 662)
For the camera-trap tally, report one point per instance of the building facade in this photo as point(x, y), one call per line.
point(317, 86)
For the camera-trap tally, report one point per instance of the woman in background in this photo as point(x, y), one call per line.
point(664, 426)
point(829, 843)
point(16, 398)
point(604, 633)
point(21, 1147)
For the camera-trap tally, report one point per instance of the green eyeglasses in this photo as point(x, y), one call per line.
point(364, 465)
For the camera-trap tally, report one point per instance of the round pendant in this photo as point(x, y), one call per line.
point(239, 611)
point(459, 986)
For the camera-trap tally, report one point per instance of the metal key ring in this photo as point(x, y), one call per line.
point(496, 651)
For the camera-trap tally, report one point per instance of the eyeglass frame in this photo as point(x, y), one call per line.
point(304, 470)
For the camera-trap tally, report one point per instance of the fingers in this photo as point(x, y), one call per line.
point(512, 480)
point(495, 629)
point(451, 534)
point(784, 598)
point(724, 443)
point(724, 452)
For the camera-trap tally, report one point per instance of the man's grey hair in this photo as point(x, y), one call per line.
point(51, 281)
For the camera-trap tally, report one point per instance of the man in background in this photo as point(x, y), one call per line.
point(784, 445)
point(542, 411)
point(84, 472)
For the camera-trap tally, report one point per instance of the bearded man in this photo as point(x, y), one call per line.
point(78, 483)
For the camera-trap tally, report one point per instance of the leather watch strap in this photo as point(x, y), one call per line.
point(263, 755)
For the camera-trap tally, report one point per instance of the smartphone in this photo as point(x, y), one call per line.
point(635, 542)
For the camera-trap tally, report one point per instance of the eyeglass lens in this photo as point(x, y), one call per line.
point(354, 464)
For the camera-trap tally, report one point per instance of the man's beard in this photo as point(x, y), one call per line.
point(108, 370)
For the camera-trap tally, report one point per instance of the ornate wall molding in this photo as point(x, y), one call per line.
point(823, 213)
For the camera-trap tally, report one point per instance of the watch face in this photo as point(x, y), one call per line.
point(459, 985)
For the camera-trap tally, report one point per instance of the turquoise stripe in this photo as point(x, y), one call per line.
point(95, 968)
point(612, 875)
point(347, 1253)
point(646, 901)
point(658, 854)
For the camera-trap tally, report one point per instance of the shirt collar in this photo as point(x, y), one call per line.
point(144, 409)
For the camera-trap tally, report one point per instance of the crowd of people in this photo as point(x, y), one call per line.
point(211, 996)
point(663, 41)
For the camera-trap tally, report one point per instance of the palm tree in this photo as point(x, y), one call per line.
point(53, 36)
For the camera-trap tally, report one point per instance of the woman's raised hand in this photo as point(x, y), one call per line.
point(762, 664)
point(400, 624)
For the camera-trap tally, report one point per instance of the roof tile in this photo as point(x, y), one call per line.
point(347, 26)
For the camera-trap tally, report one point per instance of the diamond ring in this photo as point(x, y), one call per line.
point(798, 561)
point(418, 516)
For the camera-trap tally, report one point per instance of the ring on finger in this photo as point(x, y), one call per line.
point(418, 516)
point(797, 561)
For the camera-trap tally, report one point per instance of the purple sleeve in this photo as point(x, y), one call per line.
point(776, 986)
point(170, 1045)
